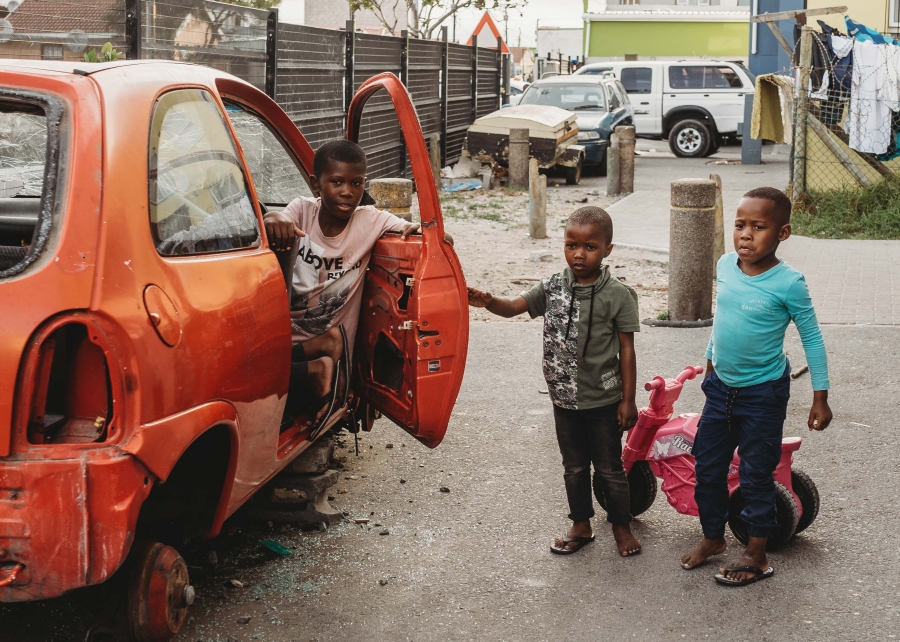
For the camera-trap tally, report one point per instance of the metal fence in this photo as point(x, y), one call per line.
point(850, 138)
point(312, 73)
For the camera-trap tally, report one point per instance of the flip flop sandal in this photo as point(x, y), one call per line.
point(580, 541)
point(758, 575)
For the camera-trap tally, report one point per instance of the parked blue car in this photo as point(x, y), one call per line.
point(600, 103)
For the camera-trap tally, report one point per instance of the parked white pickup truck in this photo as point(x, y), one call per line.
point(692, 103)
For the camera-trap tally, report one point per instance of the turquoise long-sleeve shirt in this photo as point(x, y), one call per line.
point(752, 314)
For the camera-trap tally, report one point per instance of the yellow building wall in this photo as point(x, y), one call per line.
point(872, 13)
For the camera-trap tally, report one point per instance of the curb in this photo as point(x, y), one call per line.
point(642, 248)
point(702, 323)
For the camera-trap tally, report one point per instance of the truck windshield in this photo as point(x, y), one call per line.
point(572, 97)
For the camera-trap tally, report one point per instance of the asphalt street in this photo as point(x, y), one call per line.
point(474, 564)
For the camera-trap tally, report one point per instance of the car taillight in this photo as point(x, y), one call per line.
point(71, 401)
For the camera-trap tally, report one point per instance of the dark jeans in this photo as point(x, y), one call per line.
point(752, 419)
point(592, 437)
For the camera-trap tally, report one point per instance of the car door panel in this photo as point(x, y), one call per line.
point(414, 325)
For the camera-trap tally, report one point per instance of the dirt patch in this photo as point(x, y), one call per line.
point(490, 230)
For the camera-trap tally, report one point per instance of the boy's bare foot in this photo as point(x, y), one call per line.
point(578, 530)
point(321, 373)
point(705, 549)
point(754, 555)
point(625, 541)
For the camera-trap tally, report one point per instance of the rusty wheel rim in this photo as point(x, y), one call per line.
point(159, 593)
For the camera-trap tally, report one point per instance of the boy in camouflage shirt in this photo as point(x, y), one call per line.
point(589, 363)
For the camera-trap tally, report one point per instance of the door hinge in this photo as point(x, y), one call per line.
point(406, 325)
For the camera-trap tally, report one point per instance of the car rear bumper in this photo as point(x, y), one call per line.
point(67, 523)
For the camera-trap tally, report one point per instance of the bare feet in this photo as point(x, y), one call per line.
point(579, 529)
point(321, 372)
point(754, 555)
point(705, 549)
point(625, 541)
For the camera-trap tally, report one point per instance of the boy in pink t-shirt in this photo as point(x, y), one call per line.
point(336, 237)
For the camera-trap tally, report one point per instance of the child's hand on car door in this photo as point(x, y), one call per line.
point(281, 231)
point(479, 299)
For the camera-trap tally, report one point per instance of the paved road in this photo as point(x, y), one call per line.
point(473, 564)
point(852, 282)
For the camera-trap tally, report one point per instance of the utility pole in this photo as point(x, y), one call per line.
point(505, 25)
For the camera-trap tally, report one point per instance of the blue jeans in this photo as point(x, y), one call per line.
point(752, 419)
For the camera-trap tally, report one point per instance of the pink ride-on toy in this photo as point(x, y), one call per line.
point(659, 446)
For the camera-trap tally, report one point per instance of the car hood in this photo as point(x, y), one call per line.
point(590, 120)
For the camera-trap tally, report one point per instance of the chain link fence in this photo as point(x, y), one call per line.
point(851, 113)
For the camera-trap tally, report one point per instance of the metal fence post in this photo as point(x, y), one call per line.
point(349, 56)
point(499, 84)
point(404, 78)
point(507, 65)
point(798, 178)
point(445, 91)
point(272, 53)
point(133, 11)
point(474, 78)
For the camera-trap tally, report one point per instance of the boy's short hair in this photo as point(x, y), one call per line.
point(782, 202)
point(592, 215)
point(338, 150)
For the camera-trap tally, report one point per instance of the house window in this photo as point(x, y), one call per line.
point(894, 19)
point(51, 52)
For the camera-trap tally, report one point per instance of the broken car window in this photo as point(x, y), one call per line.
point(23, 154)
point(199, 201)
point(275, 175)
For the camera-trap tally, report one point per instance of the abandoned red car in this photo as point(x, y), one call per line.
point(142, 380)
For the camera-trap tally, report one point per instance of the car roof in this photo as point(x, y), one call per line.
point(647, 63)
point(573, 80)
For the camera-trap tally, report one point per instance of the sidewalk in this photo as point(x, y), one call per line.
point(852, 282)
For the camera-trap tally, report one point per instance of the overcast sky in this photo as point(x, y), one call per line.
point(522, 21)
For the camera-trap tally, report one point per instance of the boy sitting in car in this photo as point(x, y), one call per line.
point(334, 238)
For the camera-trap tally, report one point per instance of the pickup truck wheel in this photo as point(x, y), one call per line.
point(159, 593)
point(690, 139)
point(573, 174)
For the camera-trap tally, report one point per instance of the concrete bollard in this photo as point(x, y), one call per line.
point(393, 195)
point(537, 203)
point(434, 153)
point(719, 227)
point(691, 243)
point(613, 177)
point(518, 158)
point(625, 136)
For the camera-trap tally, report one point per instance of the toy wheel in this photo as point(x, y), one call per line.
point(805, 489)
point(573, 174)
point(787, 517)
point(159, 593)
point(641, 486)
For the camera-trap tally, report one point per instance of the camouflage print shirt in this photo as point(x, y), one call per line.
point(581, 342)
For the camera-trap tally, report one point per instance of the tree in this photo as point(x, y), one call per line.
point(426, 17)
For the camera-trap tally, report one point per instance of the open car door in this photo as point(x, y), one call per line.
point(414, 322)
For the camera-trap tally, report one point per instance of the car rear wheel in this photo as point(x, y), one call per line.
point(690, 139)
point(159, 593)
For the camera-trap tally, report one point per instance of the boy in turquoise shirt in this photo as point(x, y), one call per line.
point(747, 383)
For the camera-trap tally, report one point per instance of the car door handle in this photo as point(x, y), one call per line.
point(706, 95)
point(641, 113)
point(645, 103)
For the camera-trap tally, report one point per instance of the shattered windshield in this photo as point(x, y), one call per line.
point(572, 97)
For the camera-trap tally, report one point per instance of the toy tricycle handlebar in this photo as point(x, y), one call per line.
point(659, 383)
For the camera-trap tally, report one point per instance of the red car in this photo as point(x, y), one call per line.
point(143, 380)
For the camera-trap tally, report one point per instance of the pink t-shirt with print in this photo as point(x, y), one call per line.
point(327, 278)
